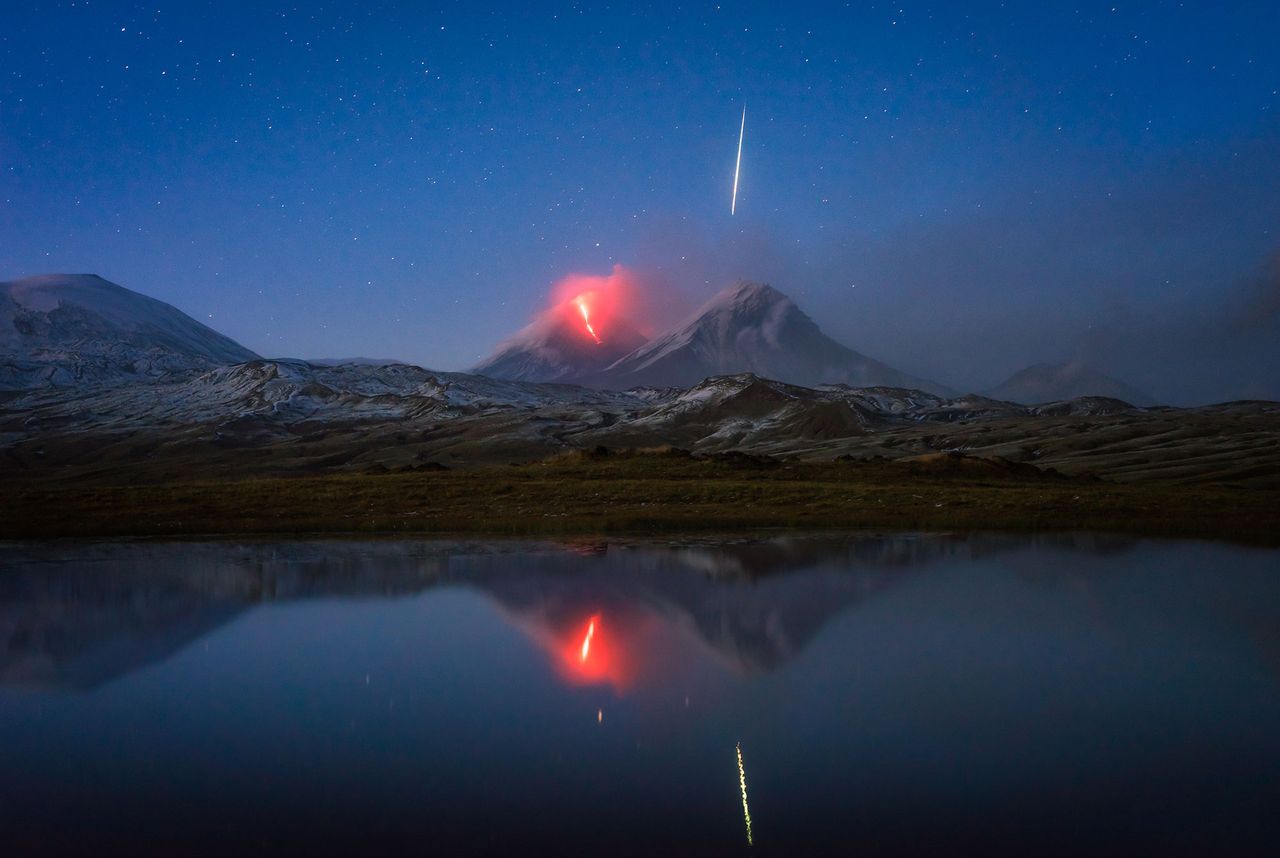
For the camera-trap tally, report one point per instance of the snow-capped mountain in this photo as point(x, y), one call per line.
point(565, 343)
point(753, 328)
point(274, 417)
point(63, 329)
point(277, 396)
point(358, 361)
point(1049, 382)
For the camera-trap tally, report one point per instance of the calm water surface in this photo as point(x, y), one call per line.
point(818, 695)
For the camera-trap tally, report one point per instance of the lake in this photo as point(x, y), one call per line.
point(826, 694)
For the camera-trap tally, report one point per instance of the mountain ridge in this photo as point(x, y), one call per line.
point(753, 327)
point(58, 330)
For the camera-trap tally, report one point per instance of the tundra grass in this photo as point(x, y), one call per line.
point(636, 494)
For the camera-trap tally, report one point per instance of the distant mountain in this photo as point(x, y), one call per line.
point(751, 328)
point(565, 344)
point(1049, 382)
point(58, 330)
point(356, 361)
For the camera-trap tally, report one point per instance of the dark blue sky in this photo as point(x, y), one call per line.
point(957, 189)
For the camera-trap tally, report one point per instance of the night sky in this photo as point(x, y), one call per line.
point(958, 189)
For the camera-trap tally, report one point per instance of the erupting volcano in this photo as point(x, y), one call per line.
point(749, 327)
point(583, 332)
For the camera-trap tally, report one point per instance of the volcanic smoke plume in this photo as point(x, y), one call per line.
point(589, 326)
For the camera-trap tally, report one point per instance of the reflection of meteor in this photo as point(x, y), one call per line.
point(742, 784)
point(586, 317)
point(586, 641)
point(733, 206)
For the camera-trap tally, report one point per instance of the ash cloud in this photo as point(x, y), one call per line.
point(1261, 310)
point(634, 296)
point(1164, 275)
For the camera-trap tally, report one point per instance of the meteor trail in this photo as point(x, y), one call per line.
point(742, 784)
point(733, 206)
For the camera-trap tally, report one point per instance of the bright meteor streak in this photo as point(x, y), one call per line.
point(733, 206)
point(742, 784)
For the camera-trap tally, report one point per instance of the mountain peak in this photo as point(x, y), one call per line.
point(749, 292)
point(748, 327)
point(563, 343)
point(43, 292)
point(36, 281)
point(65, 329)
point(751, 327)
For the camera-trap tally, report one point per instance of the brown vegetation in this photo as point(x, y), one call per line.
point(660, 490)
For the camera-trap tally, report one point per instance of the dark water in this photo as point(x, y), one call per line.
point(888, 695)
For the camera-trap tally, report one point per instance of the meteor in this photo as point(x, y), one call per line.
point(733, 206)
point(742, 784)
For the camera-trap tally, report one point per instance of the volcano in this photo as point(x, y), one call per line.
point(58, 330)
point(575, 339)
point(751, 327)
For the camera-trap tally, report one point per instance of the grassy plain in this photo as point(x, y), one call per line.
point(642, 492)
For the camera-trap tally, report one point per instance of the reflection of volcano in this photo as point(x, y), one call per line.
point(83, 616)
point(754, 605)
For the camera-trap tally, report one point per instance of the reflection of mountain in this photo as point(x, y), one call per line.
point(755, 603)
point(82, 616)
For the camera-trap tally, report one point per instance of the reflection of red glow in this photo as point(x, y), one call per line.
point(586, 640)
point(632, 647)
point(581, 301)
point(590, 656)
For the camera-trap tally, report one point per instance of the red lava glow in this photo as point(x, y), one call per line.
point(581, 301)
point(589, 656)
point(586, 640)
point(630, 648)
point(603, 307)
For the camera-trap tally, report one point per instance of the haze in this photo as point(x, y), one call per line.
point(958, 193)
